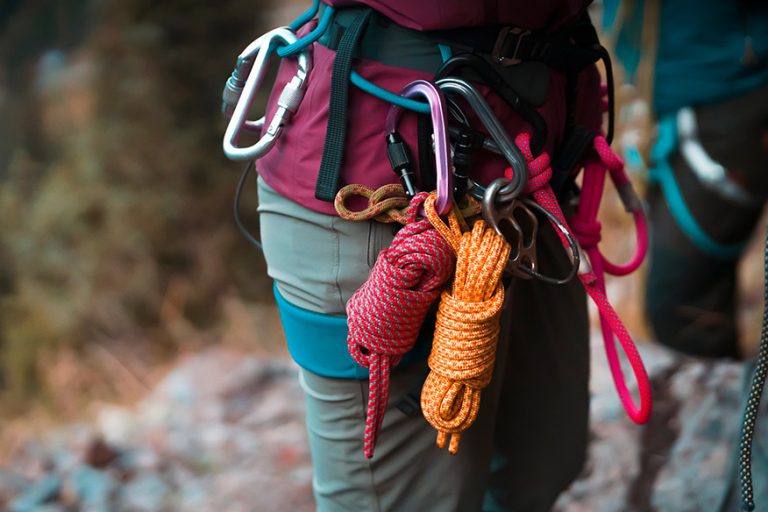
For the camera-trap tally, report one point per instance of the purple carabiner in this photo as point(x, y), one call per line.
point(439, 115)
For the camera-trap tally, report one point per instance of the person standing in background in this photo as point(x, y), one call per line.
point(704, 67)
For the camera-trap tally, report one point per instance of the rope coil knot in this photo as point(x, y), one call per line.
point(466, 333)
point(386, 313)
point(385, 204)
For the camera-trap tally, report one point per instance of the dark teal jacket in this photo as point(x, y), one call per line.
point(708, 50)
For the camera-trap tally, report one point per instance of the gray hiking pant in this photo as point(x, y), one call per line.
point(529, 440)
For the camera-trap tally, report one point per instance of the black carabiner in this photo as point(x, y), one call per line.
point(490, 77)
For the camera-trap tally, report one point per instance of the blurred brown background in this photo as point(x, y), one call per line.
point(118, 249)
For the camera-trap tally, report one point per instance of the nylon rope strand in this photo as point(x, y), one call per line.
point(587, 229)
point(753, 404)
point(385, 315)
point(386, 204)
point(538, 185)
point(466, 333)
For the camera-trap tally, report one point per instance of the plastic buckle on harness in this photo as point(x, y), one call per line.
point(253, 63)
point(499, 54)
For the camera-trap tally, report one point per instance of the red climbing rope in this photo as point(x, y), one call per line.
point(386, 313)
point(540, 173)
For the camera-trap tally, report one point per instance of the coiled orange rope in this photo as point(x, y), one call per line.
point(464, 348)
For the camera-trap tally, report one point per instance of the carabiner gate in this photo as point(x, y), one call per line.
point(498, 134)
point(438, 112)
point(253, 63)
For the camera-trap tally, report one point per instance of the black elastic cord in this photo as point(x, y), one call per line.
point(328, 179)
point(236, 207)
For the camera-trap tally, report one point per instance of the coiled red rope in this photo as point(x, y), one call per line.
point(386, 313)
point(540, 173)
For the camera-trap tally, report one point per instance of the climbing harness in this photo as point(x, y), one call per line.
point(663, 174)
point(466, 333)
point(752, 407)
point(241, 91)
point(442, 250)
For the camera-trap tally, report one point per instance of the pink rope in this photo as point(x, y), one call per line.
point(540, 173)
point(386, 313)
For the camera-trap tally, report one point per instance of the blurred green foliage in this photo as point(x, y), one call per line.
point(115, 200)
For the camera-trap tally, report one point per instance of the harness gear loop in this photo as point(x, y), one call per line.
point(386, 313)
point(240, 92)
point(466, 333)
point(538, 185)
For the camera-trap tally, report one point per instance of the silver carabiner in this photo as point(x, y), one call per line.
point(497, 133)
point(256, 57)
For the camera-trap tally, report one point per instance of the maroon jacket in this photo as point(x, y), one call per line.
point(291, 167)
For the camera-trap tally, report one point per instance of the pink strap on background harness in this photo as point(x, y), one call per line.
point(588, 234)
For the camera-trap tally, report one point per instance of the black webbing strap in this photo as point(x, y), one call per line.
point(328, 180)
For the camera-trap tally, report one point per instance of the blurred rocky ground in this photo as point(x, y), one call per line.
point(224, 431)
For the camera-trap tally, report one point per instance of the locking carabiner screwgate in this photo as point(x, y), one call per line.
point(253, 63)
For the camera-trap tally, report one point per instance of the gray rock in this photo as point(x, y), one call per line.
point(37, 494)
point(93, 488)
point(145, 493)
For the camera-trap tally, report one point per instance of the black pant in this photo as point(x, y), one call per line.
point(691, 295)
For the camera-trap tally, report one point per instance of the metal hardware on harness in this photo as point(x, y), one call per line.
point(253, 63)
point(523, 256)
point(491, 77)
point(511, 153)
point(437, 106)
point(501, 40)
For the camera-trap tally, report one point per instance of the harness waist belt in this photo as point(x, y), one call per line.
point(569, 49)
